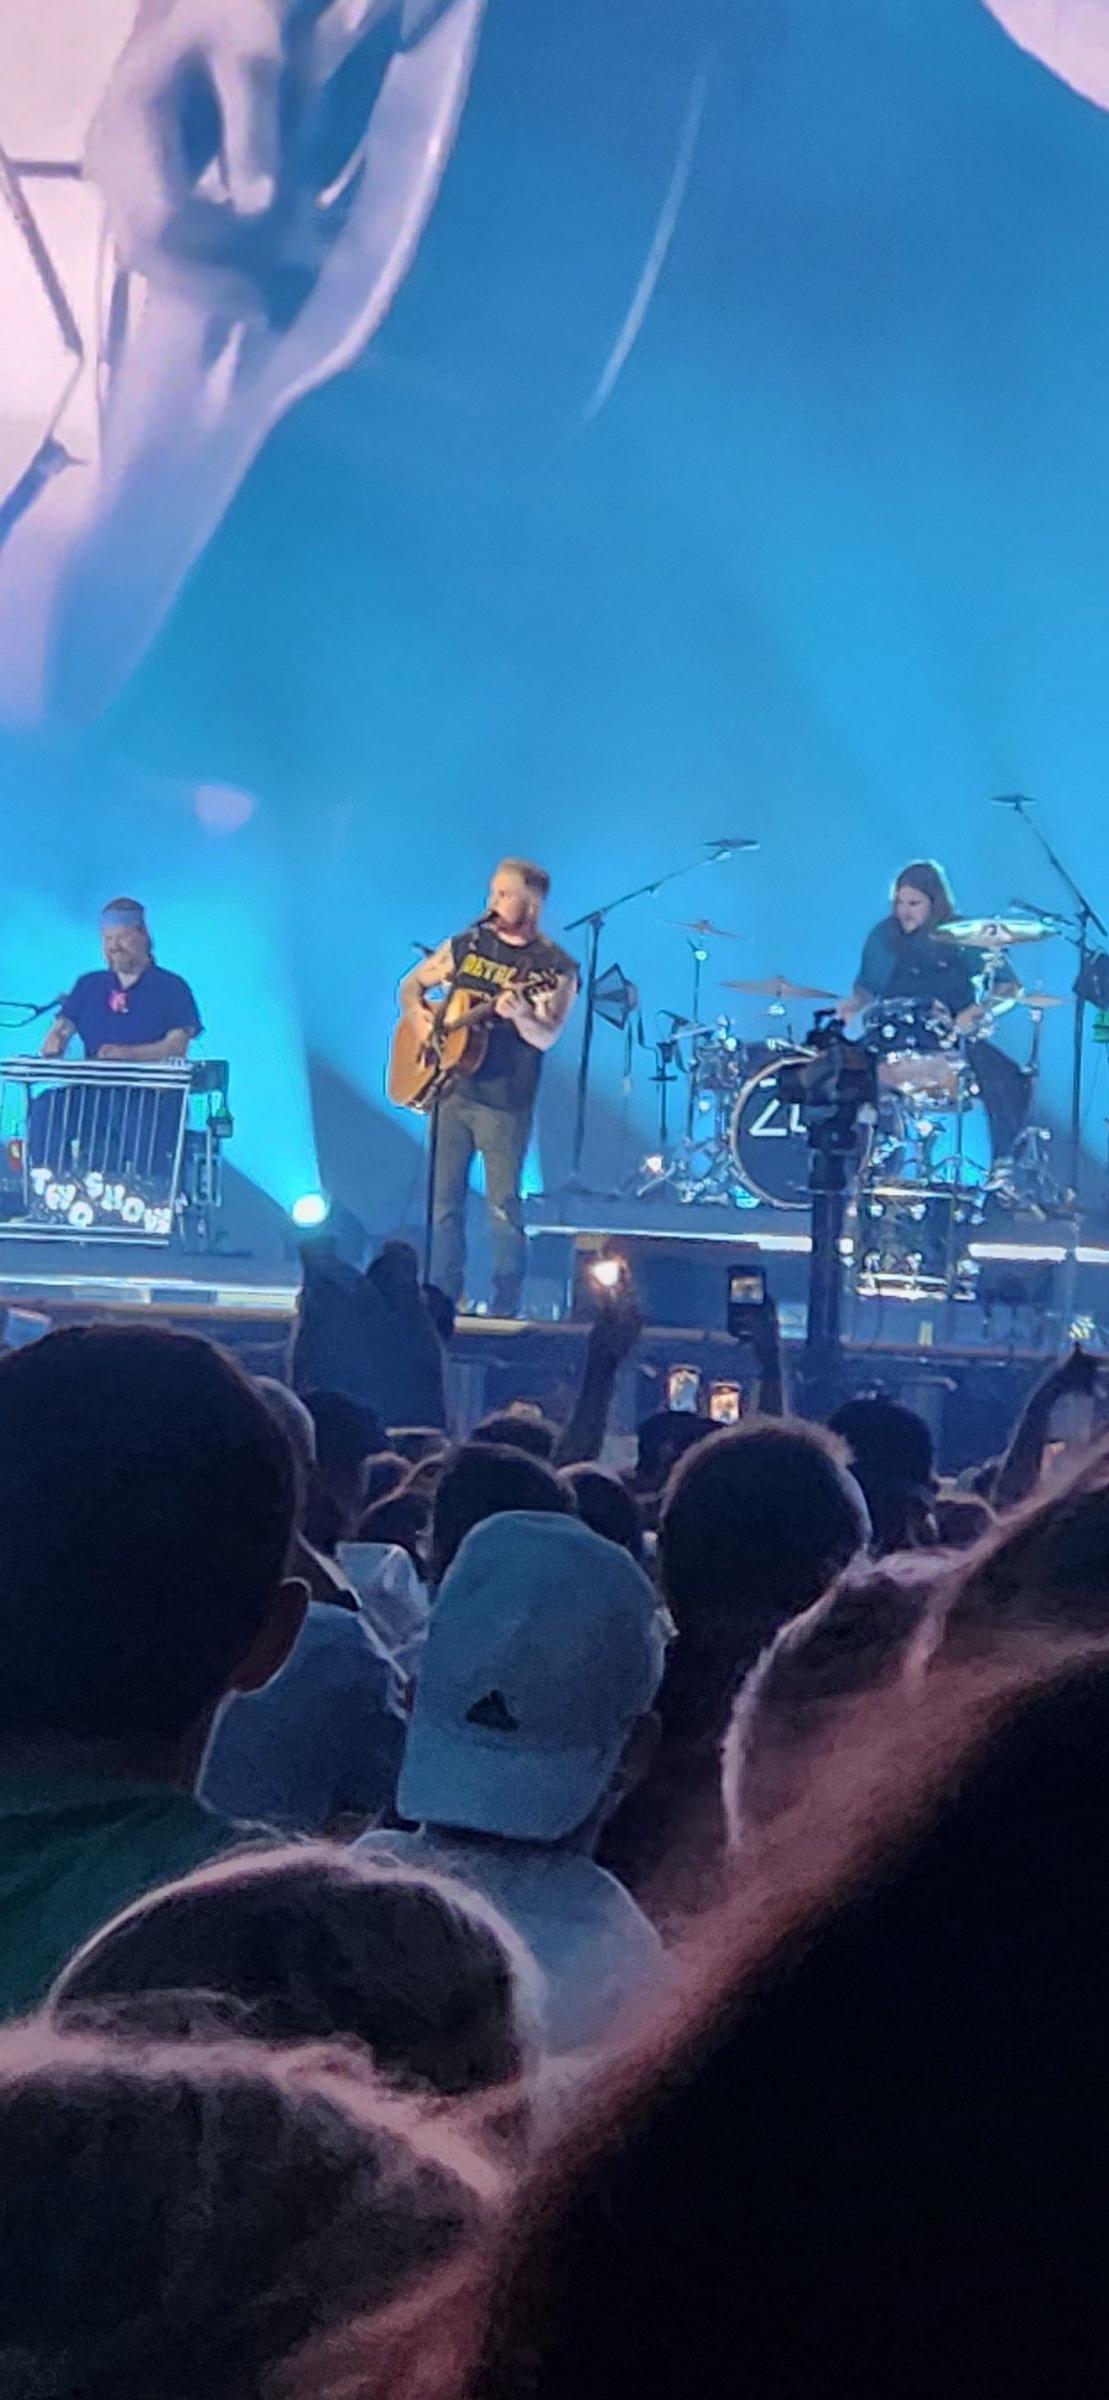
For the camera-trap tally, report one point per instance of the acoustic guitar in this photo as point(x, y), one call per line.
point(421, 1071)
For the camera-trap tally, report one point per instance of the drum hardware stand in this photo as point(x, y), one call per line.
point(833, 1089)
point(1084, 917)
point(700, 959)
point(596, 920)
point(1030, 1183)
point(663, 1164)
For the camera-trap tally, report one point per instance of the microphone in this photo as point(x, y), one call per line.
point(1011, 800)
point(729, 842)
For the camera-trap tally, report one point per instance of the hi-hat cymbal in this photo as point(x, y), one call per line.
point(778, 987)
point(702, 926)
point(998, 933)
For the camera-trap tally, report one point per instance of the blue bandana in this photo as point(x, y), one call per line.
point(133, 916)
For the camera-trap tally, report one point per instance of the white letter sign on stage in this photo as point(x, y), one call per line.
point(195, 230)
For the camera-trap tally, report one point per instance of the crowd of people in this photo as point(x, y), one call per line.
point(479, 1926)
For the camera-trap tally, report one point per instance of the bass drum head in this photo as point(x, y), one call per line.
point(767, 1138)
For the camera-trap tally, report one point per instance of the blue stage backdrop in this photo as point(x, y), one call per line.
point(731, 462)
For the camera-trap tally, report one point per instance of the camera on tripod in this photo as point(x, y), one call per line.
point(829, 1089)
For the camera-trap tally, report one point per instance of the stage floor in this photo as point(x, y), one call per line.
point(59, 1275)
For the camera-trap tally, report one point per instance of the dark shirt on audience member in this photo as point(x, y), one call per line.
point(75, 1848)
point(319, 1743)
point(102, 1010)
point(667, 1841)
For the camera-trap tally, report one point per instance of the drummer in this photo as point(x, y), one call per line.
point(908, 955)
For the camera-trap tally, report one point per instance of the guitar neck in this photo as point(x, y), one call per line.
point(526, 990)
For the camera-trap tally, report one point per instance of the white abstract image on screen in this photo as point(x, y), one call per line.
point(1070, 36)
point(206, 209)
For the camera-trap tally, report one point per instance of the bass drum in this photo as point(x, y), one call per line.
point(766, 1136)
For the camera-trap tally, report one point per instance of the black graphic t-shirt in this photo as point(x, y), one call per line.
point(509, 1073)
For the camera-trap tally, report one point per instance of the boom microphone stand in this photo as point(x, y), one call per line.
point(1085, 916)
point(596, 919)
point(28, 1010)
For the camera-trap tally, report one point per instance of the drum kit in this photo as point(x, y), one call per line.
point(926, 1167)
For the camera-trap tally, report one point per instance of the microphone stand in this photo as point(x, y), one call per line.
point(431, 1167)
point(1085, 916)
point(596, 919)
point(28, 1011)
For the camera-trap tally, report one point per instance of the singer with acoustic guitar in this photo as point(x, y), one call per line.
point(476, 1054)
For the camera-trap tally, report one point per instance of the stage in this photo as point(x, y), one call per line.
point(965, 1364)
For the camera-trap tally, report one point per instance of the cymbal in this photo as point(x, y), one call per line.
point(778, 987)
point(1039, 1000)
point(997, 933)
point(702, 926)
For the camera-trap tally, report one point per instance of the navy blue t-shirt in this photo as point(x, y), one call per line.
point(101, 1010)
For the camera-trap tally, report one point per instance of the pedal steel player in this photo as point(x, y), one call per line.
point(908, 955)
point(491, 1111)
point(130, 1007)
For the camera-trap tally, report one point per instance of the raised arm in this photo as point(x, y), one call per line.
point(770, 1387)
point(1019, 1472)
point(428, 975)
point(611, 1340)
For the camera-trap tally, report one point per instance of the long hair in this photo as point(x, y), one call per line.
point(926, 875)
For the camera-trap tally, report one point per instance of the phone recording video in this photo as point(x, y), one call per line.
point(683, 1389)
point(746, 1298)
point(725, 1403)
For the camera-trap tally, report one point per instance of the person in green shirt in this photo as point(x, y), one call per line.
point(146, 1512)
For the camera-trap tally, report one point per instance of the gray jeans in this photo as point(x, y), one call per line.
point(500, 1137)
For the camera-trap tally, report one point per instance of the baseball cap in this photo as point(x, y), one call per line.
point(543, 1647)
